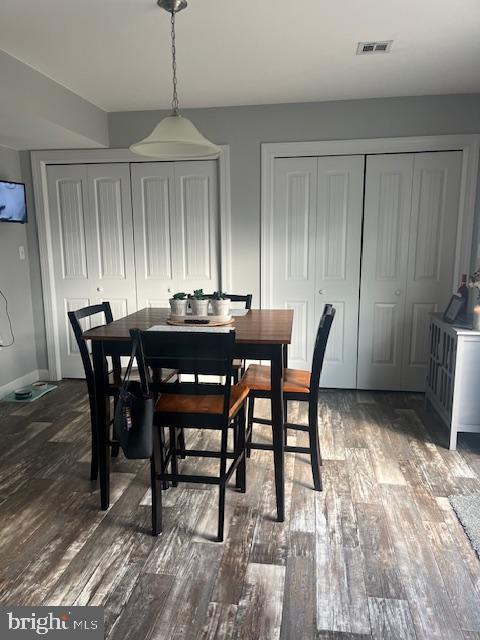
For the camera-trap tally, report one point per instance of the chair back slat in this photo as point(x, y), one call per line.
point(75, 318)
point(246, 298)
point(320, 346)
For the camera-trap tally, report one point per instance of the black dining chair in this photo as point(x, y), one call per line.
point(298, 385)
point(193, 405)
point(238, 367)
point(104, 311)
point(246, 298)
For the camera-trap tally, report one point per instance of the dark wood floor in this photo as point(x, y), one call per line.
point(378, 554)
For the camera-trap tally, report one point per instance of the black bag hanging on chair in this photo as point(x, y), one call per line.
point(133, 420)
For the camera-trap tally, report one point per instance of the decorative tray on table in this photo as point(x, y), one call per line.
point(201, 321)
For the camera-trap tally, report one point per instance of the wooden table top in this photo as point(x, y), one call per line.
point(258, 326)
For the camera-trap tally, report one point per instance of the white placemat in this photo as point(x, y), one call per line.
point(195, 328)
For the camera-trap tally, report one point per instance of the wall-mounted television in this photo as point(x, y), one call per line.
point(13, 203)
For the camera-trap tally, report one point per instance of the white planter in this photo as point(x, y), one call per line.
point(199, 307)
point(178, 307)
point(221, 307)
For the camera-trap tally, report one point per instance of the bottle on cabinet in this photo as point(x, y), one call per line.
point(463, 292)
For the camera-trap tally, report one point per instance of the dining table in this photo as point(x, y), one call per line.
point(260, 334)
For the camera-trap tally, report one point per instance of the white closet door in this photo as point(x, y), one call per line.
point(410, 230)
point(339, 229)
point(388, 195)
point(91, 228)
point(153, 197)
point(110, 211)
point(176, 221)
point(197, 241)
point(316, 257)
point(293, 268)
point(431, 262)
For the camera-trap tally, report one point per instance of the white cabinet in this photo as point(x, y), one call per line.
point(453, 375)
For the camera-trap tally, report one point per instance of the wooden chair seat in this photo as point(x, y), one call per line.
point(257, 378)
point(185, 403)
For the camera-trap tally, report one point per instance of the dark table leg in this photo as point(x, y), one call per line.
point(103, 421)
point(278, 428)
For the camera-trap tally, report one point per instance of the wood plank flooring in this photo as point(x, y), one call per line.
point(378, 554)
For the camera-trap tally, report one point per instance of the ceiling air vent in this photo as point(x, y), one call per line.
point(364, 48)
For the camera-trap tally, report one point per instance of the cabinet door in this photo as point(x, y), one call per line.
point(339, 230)
point(293, 267)
point(431, 262)
point(91, 231)
point(388, 194)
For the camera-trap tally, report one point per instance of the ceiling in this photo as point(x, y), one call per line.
point(115, 53)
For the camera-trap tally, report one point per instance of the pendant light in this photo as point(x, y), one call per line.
point(175, 137)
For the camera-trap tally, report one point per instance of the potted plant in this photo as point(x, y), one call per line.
point(178, 304)
point(199, 303)
point(220, 304)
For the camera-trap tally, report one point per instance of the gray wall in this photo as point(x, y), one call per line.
point(37, 112)
point(21, 358)
point(245, 128)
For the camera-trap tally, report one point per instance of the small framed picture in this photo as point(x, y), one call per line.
point(454, 309)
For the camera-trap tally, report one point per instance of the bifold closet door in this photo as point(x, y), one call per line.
point(316, 256)
point(409, 240)
point(92, 237)
point(176, 229)
point(431, 261)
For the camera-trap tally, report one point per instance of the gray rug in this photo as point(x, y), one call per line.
point(467, 509)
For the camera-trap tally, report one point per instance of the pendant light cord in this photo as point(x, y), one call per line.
point(174, 68)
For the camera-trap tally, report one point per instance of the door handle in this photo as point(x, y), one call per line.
point(321, 292)
point(398, 292)
point(100, 289)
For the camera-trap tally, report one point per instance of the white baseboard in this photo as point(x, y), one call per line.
point(23, 381)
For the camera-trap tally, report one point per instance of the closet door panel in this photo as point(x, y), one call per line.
point(294, 231)
point(196, 230)
point(433, 234)
point(91, 228)
point(73, 258)
point(153, 197)
point(388, 193)
point(339, 225)
point(111, 234)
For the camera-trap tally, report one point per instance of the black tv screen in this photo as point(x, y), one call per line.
point(13, 204)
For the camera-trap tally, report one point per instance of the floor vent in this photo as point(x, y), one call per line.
point(364, 48)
